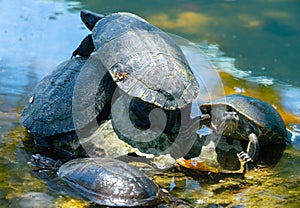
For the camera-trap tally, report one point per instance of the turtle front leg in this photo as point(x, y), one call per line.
point(142, 111)
point(139, 108)
point(85, 48)
point(253, 147)
point(251, 153)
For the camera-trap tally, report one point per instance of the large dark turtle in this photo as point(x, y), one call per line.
point(107, 181)
point(246, 119)
point(147, 65)
point(143, 60)
point(48, 115)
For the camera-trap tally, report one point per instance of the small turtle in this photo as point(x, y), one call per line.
point(107, 181)
point(246, 119)
point(143, 60)
point(48, 115)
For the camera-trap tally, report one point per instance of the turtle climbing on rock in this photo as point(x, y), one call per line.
point(144, 61)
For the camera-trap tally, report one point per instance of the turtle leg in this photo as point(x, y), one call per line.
point(251, 153)
point(139, 108)
point(253, 146)
point(142, 111)
point(172, 115)
point(85, 48)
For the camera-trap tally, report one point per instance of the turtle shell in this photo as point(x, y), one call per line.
point(49, 110)
point(109, 182)
point(261, 113)
point(144, 61)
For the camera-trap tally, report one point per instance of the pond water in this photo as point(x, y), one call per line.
point(260, 47)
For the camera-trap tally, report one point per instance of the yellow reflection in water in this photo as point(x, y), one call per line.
point(17, 176)
point(249, 20)
point(278, 14)
point(68, 202)
point(253, 23)
point(189, 21)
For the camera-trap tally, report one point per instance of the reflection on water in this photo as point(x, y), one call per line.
point(261, 43)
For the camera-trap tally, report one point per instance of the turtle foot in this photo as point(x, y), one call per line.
point(242, 156)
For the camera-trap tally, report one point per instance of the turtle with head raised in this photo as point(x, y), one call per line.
point(246, 119)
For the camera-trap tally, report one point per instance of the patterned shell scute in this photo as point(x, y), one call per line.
point(49, 110)
point(258, 111)
point(109, 182)
point(144, 61)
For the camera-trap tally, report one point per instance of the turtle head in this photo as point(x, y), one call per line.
point(226, 123)
point(224, 120)
point(43, 163)
point(90, 18)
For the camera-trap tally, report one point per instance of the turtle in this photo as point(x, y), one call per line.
point(49, 113)
point(106, 181)
point(246, 119)
point(144, 61)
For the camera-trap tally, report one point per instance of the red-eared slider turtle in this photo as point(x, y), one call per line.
point(143, 60)
point(246, 119)
point(107, 181)
point(48, 115)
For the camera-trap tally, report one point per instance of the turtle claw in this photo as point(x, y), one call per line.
point(245, 157)
point(246, 161)
point(242, 161)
